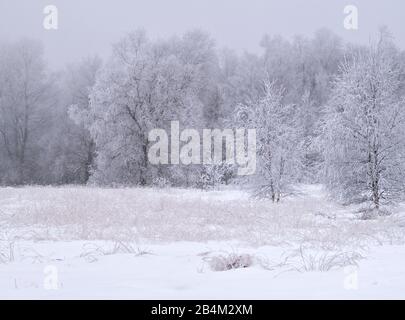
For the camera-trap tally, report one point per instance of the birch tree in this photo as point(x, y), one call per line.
point(365, 128)
point(279, 161)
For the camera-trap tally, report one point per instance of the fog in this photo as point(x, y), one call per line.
point(91, 26)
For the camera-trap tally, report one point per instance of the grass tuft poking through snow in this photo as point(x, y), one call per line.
point(307, 261)
point(93, 251)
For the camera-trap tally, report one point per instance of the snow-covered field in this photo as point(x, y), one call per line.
point(83, 242)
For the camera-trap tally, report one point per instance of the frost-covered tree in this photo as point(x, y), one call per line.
point(196, 51)
point(278, 144)
point(364, 146)
point(78, 147)
point(144, 86)
point(91, 122)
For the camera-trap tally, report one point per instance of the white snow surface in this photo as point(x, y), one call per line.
point(134, 243)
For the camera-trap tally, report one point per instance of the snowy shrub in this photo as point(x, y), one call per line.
point(373, 213)
point(227, 173)
point(229, 261)
point(6, 251)
point(210, 175)
point(161, 182)
point(330, 216)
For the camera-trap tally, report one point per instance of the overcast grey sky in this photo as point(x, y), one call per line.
point(88, 27)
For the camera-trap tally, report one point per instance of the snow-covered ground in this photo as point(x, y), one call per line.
point(76, 242)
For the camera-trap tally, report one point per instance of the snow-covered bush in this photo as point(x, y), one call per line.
point(224, 262)
point(6, 251)
point(210, 176)
point(161, 182)
point(373, 213)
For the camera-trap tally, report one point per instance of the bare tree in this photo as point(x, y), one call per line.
point(23, 95)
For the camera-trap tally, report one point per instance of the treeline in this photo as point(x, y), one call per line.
point(324, 110)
